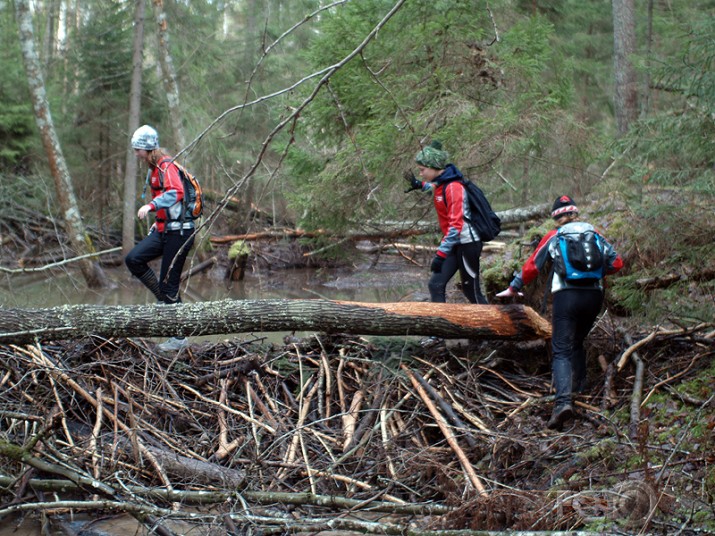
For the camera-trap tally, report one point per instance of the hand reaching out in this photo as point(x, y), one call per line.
point(415, 183)
point(508, 293)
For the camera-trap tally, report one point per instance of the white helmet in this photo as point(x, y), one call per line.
point(145, 137)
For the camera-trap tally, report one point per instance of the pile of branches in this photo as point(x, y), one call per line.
point(321, 433)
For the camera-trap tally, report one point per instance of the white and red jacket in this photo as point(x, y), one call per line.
point(452, 206)
point(167, 194)
point(545, 252)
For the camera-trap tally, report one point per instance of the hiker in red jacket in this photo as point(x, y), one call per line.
point(577, 300)
point(171, 236)
point(461, 246)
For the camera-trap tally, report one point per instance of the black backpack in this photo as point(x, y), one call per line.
point(484, 219)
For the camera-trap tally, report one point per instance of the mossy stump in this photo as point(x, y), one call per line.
point(238, 253)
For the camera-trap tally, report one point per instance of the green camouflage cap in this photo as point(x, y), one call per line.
point(433, 156)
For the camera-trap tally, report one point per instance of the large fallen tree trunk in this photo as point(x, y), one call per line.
point(383, 232)
point(516, 322)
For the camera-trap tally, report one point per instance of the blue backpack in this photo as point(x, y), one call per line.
point(580, 258)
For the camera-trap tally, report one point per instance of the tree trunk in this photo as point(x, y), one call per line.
point(624, 47)
point(507, 217)
point(130, 171)
point(79, 238)
point(514, 322)
point(169, 75)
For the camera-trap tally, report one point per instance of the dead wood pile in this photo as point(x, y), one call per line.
point(331, 433)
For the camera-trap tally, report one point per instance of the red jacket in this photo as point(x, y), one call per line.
point(167, 193)
point(537, 260)
point(452, 207)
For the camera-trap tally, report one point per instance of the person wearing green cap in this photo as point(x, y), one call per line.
point(460, 247)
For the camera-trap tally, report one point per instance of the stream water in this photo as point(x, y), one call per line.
point(390, 280)
point(383, 282)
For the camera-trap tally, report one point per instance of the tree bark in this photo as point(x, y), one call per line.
point(79, 238)
point(624, 47)
point(130, 171)
point(171, 86)
point(456, 321)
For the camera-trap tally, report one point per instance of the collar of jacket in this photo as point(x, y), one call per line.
point(449, 174)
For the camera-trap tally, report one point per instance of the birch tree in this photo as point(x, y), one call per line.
point(130, 173)
point(78, 236)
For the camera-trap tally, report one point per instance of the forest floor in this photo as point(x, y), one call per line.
point(347, 434)
point(334, 433)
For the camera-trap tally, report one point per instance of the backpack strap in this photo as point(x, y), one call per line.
point(161, 173)
point(445, 183)
point(146, 183)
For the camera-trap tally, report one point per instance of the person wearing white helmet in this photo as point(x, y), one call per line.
point(171, 236)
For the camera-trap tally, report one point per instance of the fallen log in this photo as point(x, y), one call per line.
point(383, 229)
point(455, 321)
point(390, 247)
point(299, 233)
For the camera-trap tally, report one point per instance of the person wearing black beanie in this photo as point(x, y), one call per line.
point(581, 258)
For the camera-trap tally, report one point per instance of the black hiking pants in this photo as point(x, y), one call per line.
point(465, 258)
point(165, 245)
point(573, 315)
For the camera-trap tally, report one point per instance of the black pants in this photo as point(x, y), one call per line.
point(465, 258)
point(165, 245)
point(574, 313)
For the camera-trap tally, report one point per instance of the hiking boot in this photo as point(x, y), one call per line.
point(174, 344)
point(431, 342)
point(560, 415)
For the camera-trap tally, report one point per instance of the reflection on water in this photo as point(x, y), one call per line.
point(385, 283)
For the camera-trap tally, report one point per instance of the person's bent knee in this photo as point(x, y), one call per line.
point(135, 266)
point(132, 264)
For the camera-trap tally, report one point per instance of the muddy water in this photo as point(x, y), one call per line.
point(391, 280)
point(385, 282)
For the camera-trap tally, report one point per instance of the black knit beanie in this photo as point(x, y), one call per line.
point(563, 205)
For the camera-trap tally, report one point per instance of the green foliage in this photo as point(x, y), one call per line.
point(527, 115)
point(441, 75)
point(681, 248)
point(15, 131)
point(675, 147)
point(239, 248)
point(91, 121)
point(700, 387)
point(16, 119)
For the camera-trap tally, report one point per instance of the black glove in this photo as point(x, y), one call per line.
point(415, 183)
point(436, 265)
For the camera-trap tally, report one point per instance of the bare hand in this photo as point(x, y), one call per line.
point(143, 211)
point(508, 293)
